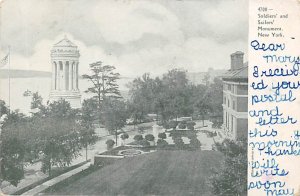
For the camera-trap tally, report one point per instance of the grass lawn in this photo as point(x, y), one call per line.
point(159, 173)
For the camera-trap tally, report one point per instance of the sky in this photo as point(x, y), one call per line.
point(135, 36)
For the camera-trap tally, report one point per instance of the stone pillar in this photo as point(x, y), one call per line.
point(65, 75)
point(74, 76)
point(58, 75)
point(53, 76)
point(77, 76)
point(63, 78)
point(73, 63)
point(70, 75)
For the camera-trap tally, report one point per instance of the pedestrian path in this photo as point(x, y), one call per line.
point(40, 188)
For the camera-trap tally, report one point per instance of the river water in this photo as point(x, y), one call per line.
point(42, 85)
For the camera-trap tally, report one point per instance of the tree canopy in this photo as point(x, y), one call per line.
point(103, 79)
point(232, 178)
point(173, 96)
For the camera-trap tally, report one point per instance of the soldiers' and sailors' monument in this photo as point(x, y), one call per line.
point(65, 61)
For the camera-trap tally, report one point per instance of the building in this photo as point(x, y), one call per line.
point(235, 98)
point(65, 61)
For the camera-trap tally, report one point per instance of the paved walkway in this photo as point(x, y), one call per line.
point(56, 180)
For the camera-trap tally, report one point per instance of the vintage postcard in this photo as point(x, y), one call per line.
point(150, 97)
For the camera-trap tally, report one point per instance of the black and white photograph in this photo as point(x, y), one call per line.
point(123, 97)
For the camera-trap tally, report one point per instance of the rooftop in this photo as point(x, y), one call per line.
point(241, 73)
point(65, 43)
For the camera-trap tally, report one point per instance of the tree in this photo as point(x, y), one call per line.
point(173, 98)
point(89, 111)
point(168, 96)
point(124, 137)
point(36, 106)
point(37, 101)
point(203, 106)
point(57, 140)
point(216, 100)
point(232, 179)
point(87, 136)
point(53, 137)
point(104, 82)
point(3, 108)
point(12, 160)
point(114, 116)
point(142, 95)
point(11, 147)
point(87, 130)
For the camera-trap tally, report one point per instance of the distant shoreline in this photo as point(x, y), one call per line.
point(16, 73)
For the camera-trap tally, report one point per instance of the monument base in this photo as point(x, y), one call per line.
point(73, 97)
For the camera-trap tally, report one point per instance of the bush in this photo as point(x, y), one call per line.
point(166, 125)
point(182, 126)
point(149, 137)
point(144, 143)
point(195, 143)
point(110, 143)
point(178, 142)
point(161, 143)
point(190, 127)
point(173, 124)
point(162, 135)
point(191, 123)
point(138, 137)
point(124, 136)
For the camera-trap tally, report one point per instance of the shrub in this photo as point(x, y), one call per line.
point(173, 124)
point(110, 143)
point(195, 143)
point(166, 125)
point(144, 143)
point(162, 135)
point(124, 136)
point(161, 143)
point(178, 142)
point(182, 126)
point(190, 127)
point(191, 123)
point(138, 137)
point(149, 137)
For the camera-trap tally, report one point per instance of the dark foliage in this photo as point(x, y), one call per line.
point(232, 178)
point(162, 136)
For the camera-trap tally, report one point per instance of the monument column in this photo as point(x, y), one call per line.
point(74, 73)
point(58, 75)
point(77, 75)
point(70, 75)
point(65, 75)
point(53, 76)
